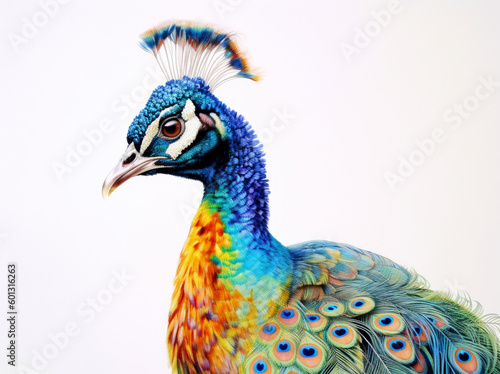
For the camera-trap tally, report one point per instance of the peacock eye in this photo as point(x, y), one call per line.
point(171, 128)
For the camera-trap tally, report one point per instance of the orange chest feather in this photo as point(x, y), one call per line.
point(206, 329)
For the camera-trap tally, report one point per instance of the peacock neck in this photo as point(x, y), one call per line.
point(232, 275)
point(236, 195)
point(237, 187)
point(240, 197)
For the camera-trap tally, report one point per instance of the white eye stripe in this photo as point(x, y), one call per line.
point(175, 149)
point(218, 125)
point(151, 131)
point(192, 127)
point(189, 110)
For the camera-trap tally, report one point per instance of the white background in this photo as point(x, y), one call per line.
point(352, 121)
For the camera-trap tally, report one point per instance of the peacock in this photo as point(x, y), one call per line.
point(242, 301)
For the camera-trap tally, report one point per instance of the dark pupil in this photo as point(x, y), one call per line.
point(331, 307)
point(358, 304)
point(340, 332)
point(386, 321)
point(313, 318)
point(283, 346)
point(171, 128)
point(268, 329)
point(463, 356)
point(397, 345)
point(308, 352)
point(287, 313)
point(418, 330)
point(260, 366)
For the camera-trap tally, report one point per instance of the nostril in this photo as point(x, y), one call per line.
point(129, 159)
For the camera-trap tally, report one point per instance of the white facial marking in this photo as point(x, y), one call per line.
point(193, 125)
point(188, 111)
point(218, 125)
point(151, 131)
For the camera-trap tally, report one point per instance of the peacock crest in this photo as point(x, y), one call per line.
point(245, 303)
point(193, 50)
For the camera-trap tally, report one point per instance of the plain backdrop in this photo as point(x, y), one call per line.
point(333, 128)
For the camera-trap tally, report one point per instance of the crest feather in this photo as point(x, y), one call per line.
point(196, 50)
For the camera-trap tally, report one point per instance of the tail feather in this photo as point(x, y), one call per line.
point(382, 320)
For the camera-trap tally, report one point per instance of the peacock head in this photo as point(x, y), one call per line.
point(183, 129)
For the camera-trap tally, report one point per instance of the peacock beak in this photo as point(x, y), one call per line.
point(130, 165)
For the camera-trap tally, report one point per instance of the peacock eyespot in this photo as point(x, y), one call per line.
point(339, 332)
point(398, 345)
point(260, 366)
point(287, 314)
point(313, 317)
point(417, 330)
point(284, 346)
point(332, 309)
point(361, 305)
point(358, 304)
point(467, 362)
point(386, 321)
point(171, 128)
point(463, 356)
point(308, 351)
point(269, 329)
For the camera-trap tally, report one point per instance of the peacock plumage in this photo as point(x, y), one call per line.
point(245, 303)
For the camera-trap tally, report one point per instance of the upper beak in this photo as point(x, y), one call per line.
point(130, 165)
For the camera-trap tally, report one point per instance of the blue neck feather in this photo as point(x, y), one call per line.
point(238, 187)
